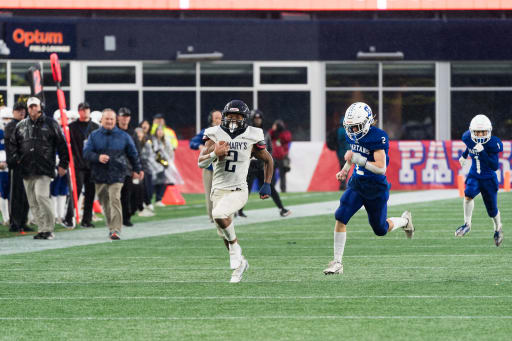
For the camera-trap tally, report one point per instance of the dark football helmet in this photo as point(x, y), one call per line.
point(235, 107)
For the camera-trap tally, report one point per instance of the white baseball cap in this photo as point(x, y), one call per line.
point(32, 101)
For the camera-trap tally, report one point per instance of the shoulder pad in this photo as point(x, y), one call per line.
point(466, 137)
point(211, 133)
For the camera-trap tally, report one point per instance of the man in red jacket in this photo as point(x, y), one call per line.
point(281, 138)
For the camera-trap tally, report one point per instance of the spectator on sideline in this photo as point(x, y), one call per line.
point(281, 138)
point(5, 118)
point(18, 198)
point(147, 156)
point(108, 149)
point(159, 121)
point(256, 167)
point(197, 142)
point(124, 117)
point(35, 142)
point(79, 132)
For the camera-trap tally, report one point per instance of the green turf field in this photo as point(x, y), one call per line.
point(434, 287)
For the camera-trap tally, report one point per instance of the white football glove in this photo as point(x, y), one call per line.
point(462, 161)
point(358, 159)
point(478, 147)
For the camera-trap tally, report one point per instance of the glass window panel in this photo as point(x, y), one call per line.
point(283, 75)
point(339, 101)
point(352, 74)
point(218, 99)
point(408, 75)
point(409, 115)
point(18, 71)
point(110, 74)
point(48, 76)
point(3, 74)
point(293, 107)
point(3, 99)
point(495, 104)
point(178, 108)
point(481, 74)
point(169, 74)
point(99, 100)
point(213, 74)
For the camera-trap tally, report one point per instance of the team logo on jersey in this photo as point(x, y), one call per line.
point(359, 149)
point(238, 145)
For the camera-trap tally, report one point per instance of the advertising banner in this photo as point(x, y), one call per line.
point(414, 165)
point(39, 40)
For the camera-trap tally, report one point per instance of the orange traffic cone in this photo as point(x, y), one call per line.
point(506, 181)
point(96, 207)
point(172, 196)
point(460, 185)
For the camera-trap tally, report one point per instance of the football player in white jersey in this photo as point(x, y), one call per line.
point(230, 146)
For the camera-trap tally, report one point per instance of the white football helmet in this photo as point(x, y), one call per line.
point(358, 120)
point(480, 123)
point(5, 116)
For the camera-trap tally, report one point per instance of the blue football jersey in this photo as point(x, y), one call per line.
point(366, 183)
point(484, 164)
point(375, 139)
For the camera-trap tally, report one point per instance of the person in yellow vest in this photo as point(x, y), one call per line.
point(159, 120)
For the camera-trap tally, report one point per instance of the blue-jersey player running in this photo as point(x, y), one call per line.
point(368, 186)
point(483, 149)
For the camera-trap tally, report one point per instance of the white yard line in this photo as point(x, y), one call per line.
point(80, 237)
point(268, 317)
point(181, 298)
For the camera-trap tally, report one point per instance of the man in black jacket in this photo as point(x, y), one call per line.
point(128, 191)
point(79, 132)
point(18, 198)
point(35, 142)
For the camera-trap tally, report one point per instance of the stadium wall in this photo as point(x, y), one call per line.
point(257, 39)
point(414, 165)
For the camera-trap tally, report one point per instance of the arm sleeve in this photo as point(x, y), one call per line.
point(9, 148)
point(490, 159)
point(465, 153)
point(90, 152)
point(132, 154)
point(197, 140)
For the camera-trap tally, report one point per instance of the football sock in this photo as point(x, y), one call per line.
point(62, 206)
point(398, 222)
point(339, 245)
point(497, 221)
point(4, 207)
point(229, 232)
point(468, 211)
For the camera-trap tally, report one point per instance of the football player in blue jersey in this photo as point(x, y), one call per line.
point(368, 186)
point(483, 149)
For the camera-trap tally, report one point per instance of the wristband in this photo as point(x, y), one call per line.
point(213, 155)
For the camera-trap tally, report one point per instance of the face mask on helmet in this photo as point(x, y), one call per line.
point(480, 128)
point(358, 120)
point(233, 122)
point(237, 111)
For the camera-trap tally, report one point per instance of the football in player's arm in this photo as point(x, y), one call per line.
point(483, 148)
point(230, 147)
point(368, 186)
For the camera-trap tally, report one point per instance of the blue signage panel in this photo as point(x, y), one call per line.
point(39, 40)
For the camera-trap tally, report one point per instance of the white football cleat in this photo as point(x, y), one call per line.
point(461, 231)
point(334, 268)
point(409, 228)
point(235, 256)
point(498, 237)
point(236, 277)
